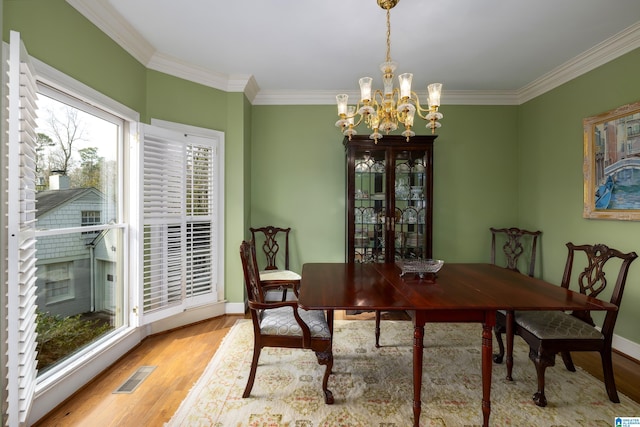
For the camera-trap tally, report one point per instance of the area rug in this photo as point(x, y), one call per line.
point(373, 386)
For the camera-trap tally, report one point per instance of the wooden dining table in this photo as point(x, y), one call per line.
point(458, 293)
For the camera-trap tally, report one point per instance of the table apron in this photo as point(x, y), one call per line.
point(420, 317)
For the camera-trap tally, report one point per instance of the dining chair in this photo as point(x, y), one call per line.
point(283, 324)
point(518, 250)
point(271, 239)
point(551, 332)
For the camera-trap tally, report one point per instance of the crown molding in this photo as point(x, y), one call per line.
point(460, 97)
point(290, 97)
point(228, 83)
point(480, 97)
point(107, 19)
point(244, 83)
point(175, 67)
point(606, 51)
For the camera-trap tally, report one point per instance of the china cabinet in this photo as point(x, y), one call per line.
point(389, 198)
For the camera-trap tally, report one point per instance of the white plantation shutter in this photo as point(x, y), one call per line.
point(199, 259)
point(21, 219)
point(163, 206)
point(200, 203)
point(179, 222)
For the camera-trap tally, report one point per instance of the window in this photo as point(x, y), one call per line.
point(58, 282)
point(181, 217)
point(78, 157)
point(88, 219)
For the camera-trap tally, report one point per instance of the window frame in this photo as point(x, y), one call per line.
point(56, 84)
point(180, 137)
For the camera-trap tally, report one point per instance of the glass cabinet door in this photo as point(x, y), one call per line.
point(370, 205)
point(410, 231)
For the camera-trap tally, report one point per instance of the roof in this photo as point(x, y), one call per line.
point(51, 199)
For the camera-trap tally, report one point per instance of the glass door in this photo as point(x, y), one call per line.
point(411, 210)
point(370, 205)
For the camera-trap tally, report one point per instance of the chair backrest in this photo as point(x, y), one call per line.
point(592, 280)
point(251, 272)
point(270, 239)
point(517, 242)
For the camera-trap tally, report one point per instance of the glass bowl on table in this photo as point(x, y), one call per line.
point(426, 269)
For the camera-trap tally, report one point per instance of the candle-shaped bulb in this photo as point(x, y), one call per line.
point(365, 88)
point(405, 84)
point(342, 100)
point(434, 90)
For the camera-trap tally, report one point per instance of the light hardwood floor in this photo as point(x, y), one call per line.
point(181, 356)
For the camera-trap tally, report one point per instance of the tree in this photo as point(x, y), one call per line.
point(64, 129)
point(42, 142)
point(90, 171)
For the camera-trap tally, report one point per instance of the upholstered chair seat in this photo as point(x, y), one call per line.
point(280, 321)
point(556, 325)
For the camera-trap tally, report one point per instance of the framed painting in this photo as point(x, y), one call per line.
point(612, 164)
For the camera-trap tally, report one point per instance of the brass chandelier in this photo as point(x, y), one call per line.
point(384, 111)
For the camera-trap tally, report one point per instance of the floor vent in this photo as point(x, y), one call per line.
point(135, 379)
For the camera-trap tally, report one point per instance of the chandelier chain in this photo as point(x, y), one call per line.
point(388, 35)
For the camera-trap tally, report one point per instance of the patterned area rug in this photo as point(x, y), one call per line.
point(373, 387)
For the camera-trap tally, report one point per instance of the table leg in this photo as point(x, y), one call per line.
point(418, 346)
point(509, 338)
point(486, 372)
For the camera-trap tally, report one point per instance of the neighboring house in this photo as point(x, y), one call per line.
point(75, 271)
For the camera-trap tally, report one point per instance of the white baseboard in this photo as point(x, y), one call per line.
point(628, 347)
point(235, 308)
point(192, 315)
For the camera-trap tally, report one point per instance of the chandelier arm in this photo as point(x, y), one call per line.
point(377, 93)
point(395, 96)
point(419, 109)
point(359, 120)
point(360, 116)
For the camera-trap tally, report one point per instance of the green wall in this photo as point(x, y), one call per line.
point(237, 191)
point(475, 179)
point(551, 177)
point(297, 169)
point(181, 101)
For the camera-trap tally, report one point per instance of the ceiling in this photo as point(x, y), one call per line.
point(304, 51)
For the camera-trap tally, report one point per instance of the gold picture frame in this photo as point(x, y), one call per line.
point(612, 164)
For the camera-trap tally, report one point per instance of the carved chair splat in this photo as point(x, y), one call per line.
point(271, 240)
point(517, 243)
